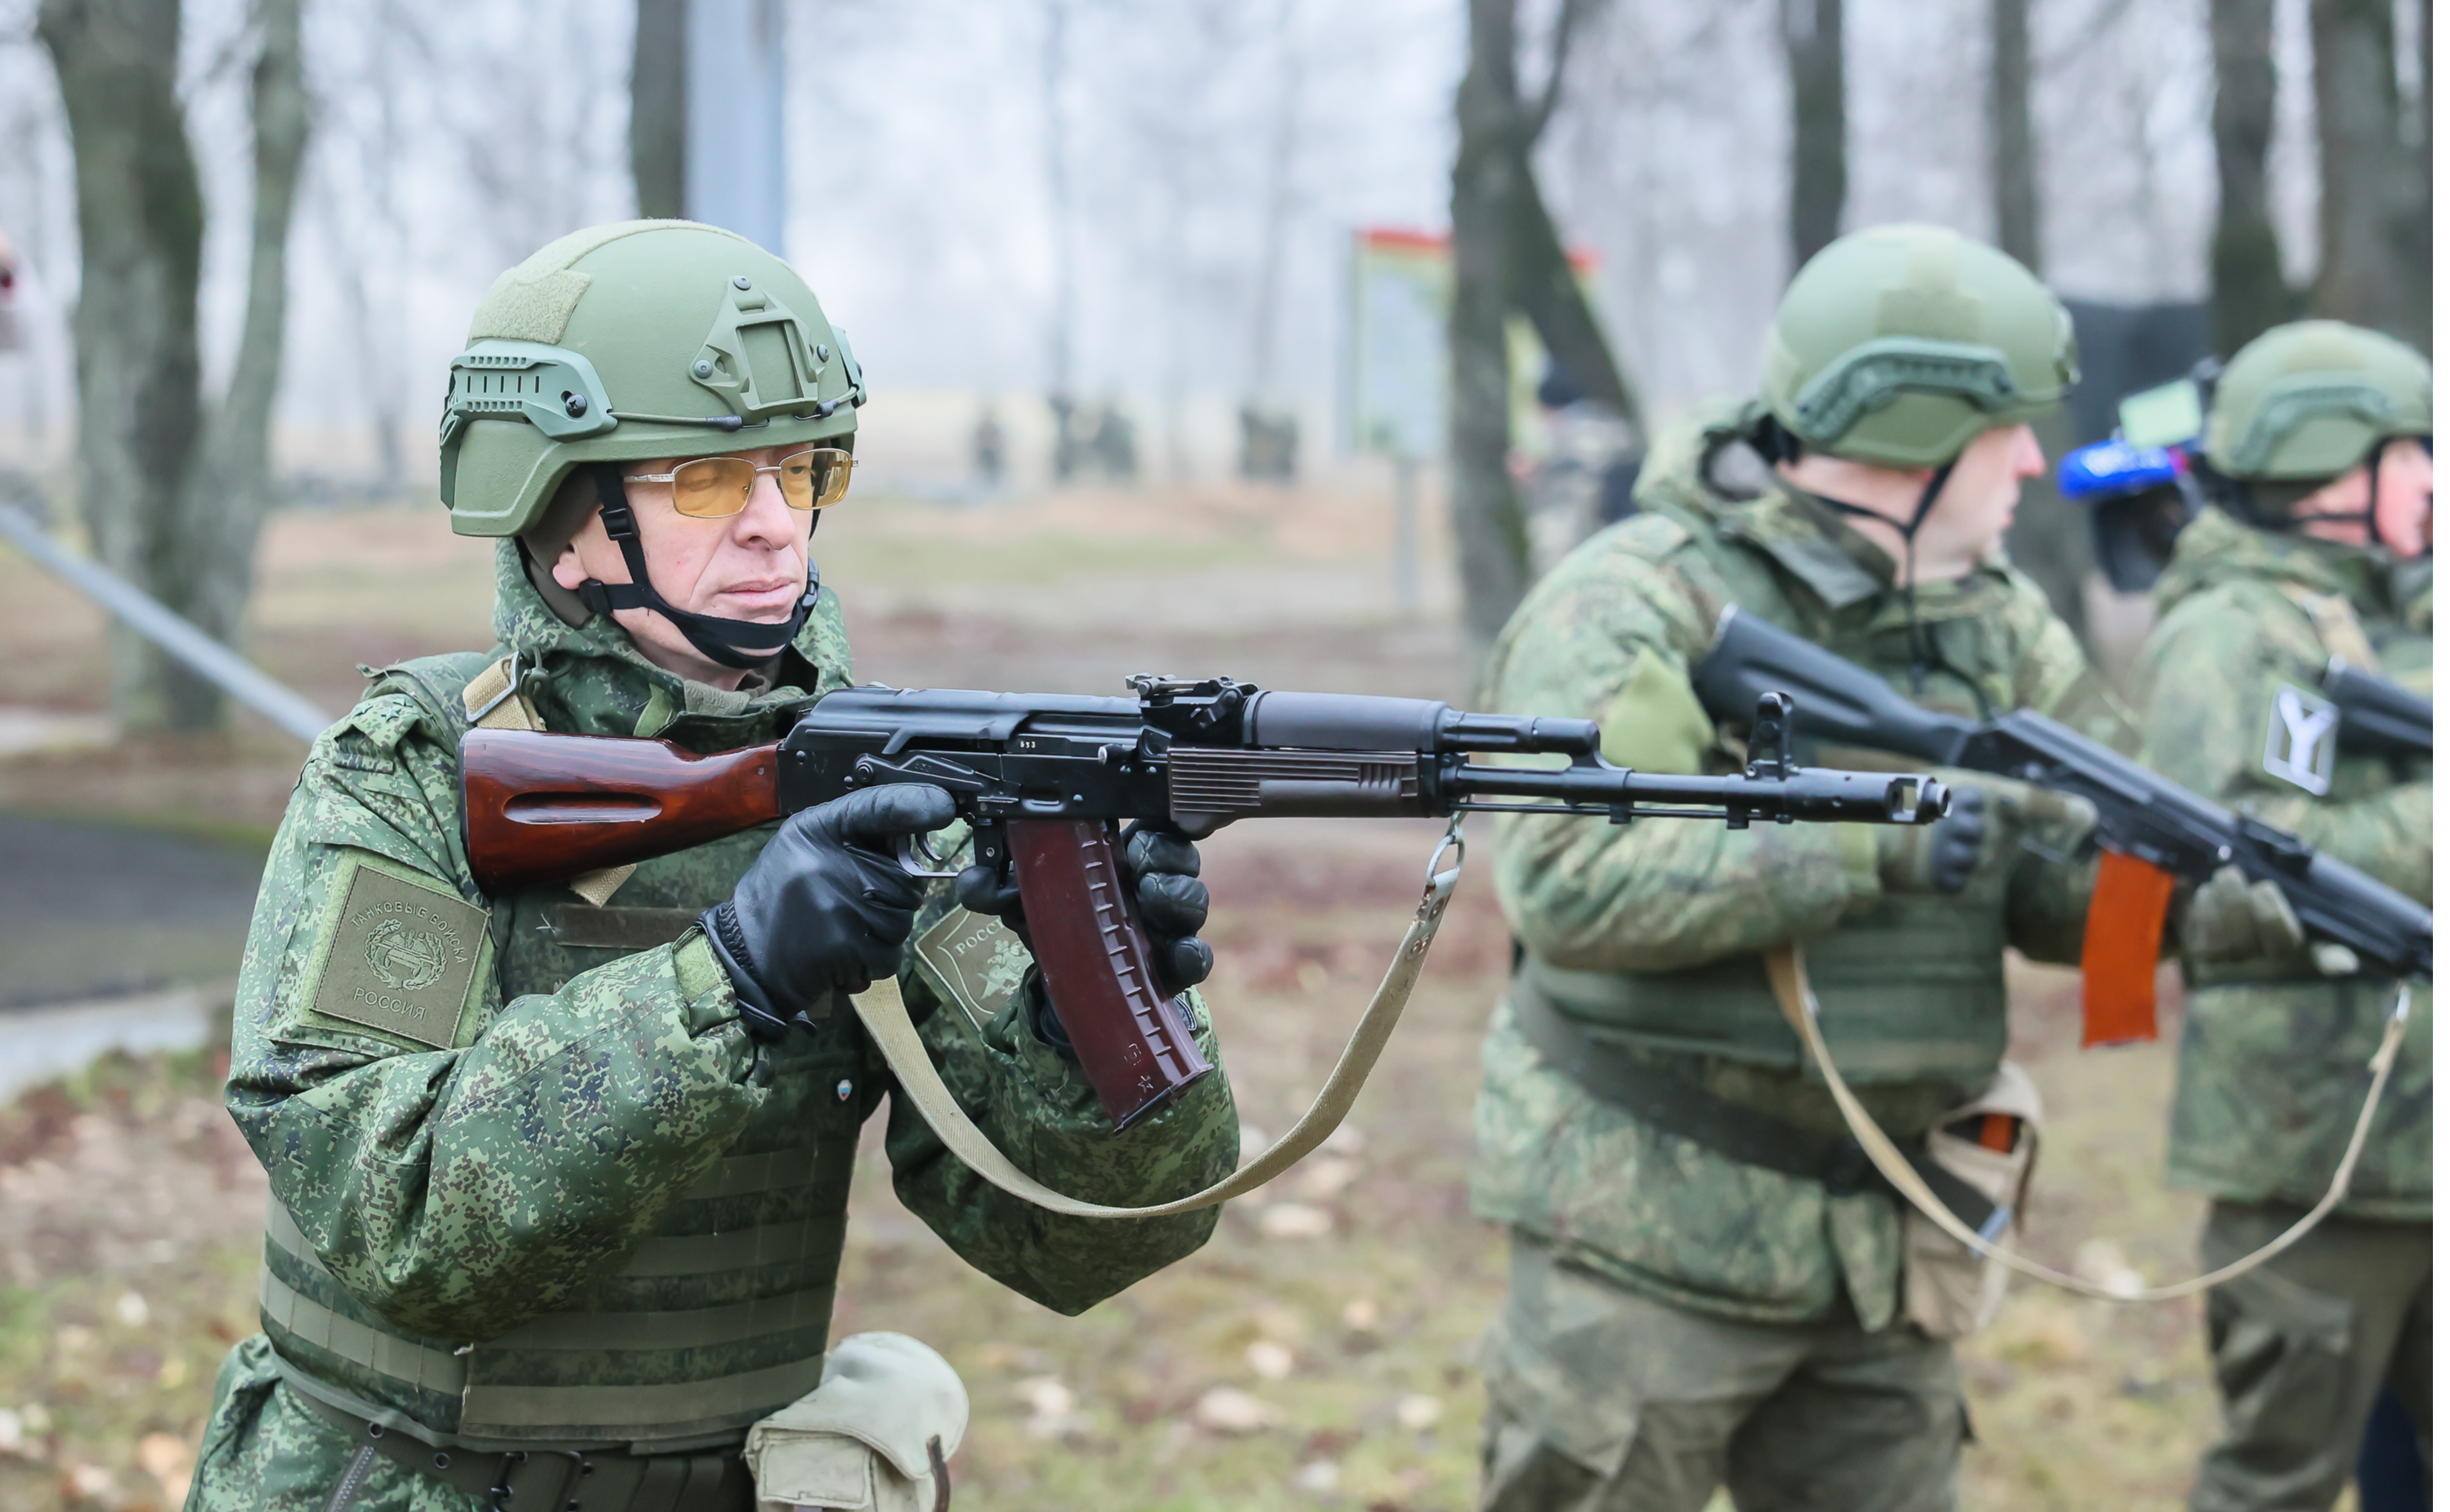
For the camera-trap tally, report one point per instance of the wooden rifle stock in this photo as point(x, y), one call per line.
point(541, 806)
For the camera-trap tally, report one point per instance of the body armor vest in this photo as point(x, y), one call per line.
point(1912, 987)
point(715, 1320)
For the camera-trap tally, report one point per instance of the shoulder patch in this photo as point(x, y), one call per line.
point(2302, 739)
point(399, 953)
point(383, 719)
point(1654, 534)
point(972, 959)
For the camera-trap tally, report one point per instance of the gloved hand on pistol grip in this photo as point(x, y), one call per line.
point(1162, 870)
point(826, 906)
point(2229, 920)
point(1940, 856)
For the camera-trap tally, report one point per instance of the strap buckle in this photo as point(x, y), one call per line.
point(501, 1493)
point(510, 690)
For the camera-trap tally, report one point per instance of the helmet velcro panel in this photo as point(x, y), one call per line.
point(1901, 344)
point(533, 301)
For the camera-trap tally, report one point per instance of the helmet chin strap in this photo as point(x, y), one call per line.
point(739, 644)
point(1907, 529)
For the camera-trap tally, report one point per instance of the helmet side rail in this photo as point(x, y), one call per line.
point(1043, 780)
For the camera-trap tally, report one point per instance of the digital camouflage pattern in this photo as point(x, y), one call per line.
point(1602, 1400)
point(455, 1192)
point(1686, 908)
point(2272, 1069)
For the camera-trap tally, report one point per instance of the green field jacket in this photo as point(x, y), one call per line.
point(2271, 1070)
point(1650, 935)
point(525, 1189)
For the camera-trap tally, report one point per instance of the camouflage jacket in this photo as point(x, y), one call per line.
point(2271, 1070)
point(1610, 636)
point(456, 1177)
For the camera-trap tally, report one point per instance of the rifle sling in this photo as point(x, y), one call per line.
point(1675, 1106)
point(1793, 987)
point(888, 1023)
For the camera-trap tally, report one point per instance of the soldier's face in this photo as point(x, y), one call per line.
point(2402, 515)
point(751, 566)
point(1970, 519)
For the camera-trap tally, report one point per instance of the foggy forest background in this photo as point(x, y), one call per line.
point(1215, 155)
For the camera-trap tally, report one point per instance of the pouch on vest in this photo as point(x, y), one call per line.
point(1990, 1144)
point(872, 1437)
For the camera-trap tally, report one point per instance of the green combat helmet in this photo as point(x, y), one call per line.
point(2304, 402)
point(639, 340)
point(1897, 346)
point(1901, 344)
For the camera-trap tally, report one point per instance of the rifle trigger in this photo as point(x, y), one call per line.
point(923, 862)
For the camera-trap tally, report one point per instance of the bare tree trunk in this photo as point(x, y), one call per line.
point(1491, 552)
point(1507, 256)
point(2377, 188)
point(2249, 295)
point(140, 219)
point(659, 108)
point(1815, 68)
point(2016, 179)
point(229, 484)
point(1542, 278)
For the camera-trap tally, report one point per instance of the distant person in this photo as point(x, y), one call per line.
point(1271, 443)
point(11, 338)
point(558, 1176)
point(2391, 1471)
point(1114, 444)
point(2318, 461)
point(986, 449)
point(1581, 481)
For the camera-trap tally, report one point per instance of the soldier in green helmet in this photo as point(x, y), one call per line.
point(558, 1176)
point(2318, 456)
point(1709, 1285)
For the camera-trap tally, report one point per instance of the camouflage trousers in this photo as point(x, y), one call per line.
point(1604, 1400)
point(2302, 1347)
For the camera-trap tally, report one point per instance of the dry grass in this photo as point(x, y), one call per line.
point(1349, 1349)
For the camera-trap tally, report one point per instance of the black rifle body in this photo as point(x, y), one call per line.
point(2143, 814)
point(2377, 716)
point(1044, 780)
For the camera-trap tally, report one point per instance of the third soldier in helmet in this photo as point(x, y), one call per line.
point(2318, 461)
point(1708, 1284)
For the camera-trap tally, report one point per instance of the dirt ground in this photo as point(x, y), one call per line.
point(1317, 1352)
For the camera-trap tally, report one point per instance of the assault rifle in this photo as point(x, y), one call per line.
point(2377, 715)
point(1043, 780)
point(2152, 830)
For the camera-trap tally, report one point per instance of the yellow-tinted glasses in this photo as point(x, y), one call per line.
point(713, 488)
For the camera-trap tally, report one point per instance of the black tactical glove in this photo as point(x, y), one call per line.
point(1162, 870)
point(824, 907)
point(1938, 857)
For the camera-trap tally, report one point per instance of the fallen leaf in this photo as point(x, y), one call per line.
point(1325, 1177)
point(1417, 1413)
point(1269, 1360)
point(1296, 1220)
point(170, 1461)
point(1222, 1410)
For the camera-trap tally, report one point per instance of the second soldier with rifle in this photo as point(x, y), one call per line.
point(1709, 1285)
